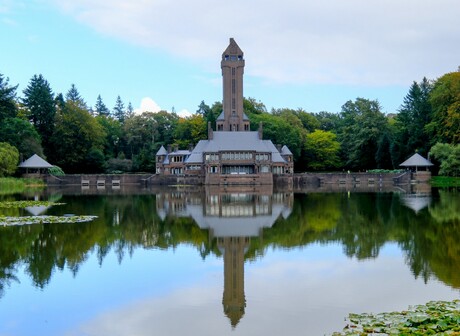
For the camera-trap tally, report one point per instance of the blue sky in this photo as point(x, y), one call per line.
point(308, 54)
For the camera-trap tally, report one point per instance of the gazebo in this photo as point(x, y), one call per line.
point(35, 162)
point(416, 161)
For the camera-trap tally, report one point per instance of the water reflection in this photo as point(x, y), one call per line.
point(232, 217)
point(237, 226)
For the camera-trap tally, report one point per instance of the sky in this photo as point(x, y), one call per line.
point(159, 54)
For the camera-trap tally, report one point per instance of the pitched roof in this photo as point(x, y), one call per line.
point(234, 141)
point(232, 49)
point(162, 151)
point(416, 160)
point(35, 162)
point(285, 150)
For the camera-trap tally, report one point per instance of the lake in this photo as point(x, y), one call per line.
point(191, 261)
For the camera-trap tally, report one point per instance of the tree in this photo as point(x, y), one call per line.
point(129, 110)
point(39, 101)
point(322, 150)
point(114, 134)
point(9, 158)
point(362, 126)
point(414, 114)
point(190, 130)
point(21, 134)
point(251, 106)
point(74, 96)
point(100, 107)
point(76, 134)
point(119, 110)
point(8, 108)
point(449, 156)
point(445, 102)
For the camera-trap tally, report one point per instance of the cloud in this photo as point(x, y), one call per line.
point(184, 113)
point(290, 297)
point(147, 105)
point(293, 41)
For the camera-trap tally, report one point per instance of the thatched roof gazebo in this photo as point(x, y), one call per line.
point(35, 162)
point(416, 161)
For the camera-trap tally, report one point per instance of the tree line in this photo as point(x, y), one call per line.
point(82, 139)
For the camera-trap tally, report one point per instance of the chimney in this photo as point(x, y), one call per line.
point(169, 149)
point(190, 147)
point(278, 147)
point(260, 131)
point(210, 132)
point(176, 148)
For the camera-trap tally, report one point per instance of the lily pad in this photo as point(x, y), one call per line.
point(8, 221)
point(434, 318)
point(24, 204)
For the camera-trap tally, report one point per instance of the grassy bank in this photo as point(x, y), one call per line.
point(11, 185)
point(445, 181)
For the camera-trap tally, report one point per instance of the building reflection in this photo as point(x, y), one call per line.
point(418, 198)
point(232, 217)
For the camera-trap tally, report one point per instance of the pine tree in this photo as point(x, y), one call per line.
point(8, 108)
point(129, 110)
point(413, 116)
point(39, 100)
point(74, 96)
point(119, 110)
point(100, 108)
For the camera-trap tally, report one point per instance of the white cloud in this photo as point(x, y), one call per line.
point(352, 42)
point(184, 113)
point(147, 105)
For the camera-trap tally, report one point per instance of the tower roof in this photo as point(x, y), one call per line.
point(232, 50)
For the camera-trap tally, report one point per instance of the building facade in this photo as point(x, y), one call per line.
point(232, 154)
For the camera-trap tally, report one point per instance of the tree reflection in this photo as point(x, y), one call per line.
point(360, 222)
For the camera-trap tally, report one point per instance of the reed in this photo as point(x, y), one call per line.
point(12, 185)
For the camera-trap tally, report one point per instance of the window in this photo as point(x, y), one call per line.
point(233, 86)
point(213, 169)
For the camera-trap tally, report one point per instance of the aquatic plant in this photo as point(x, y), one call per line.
point(433, 318)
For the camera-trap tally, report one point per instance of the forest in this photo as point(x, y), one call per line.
point(79, 138)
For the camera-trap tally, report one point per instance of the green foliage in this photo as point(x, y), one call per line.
point(449, 156)
point(76, 133)
point(11, 185)
point(41, 108)
point(94, 162)
point(361, 130)
point(434, 318)
point(113, 129)
point(210, 114)
point(322, 150)
point(56, 171)
point(9, 158)
point(445, 181)
point(411, 121)
point(8, 107)
point(445, 101)
point(119, 110)
point(74, 97)
point(190, 130)
point(21, 134)
point(100, 108)
point(117, 165)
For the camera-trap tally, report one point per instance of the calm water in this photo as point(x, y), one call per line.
point(214, 262)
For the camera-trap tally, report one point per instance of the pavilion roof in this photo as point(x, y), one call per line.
point(416, 160)
point(35, 161)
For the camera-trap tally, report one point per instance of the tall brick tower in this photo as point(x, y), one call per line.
point(232, 64)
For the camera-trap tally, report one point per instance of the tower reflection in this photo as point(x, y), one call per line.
point(232, 217)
